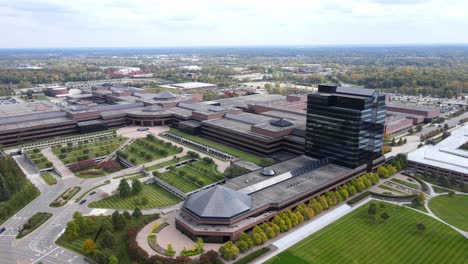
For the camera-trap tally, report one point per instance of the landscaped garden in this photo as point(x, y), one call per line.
point(168, 163)
point(263, 162)
point(144, 150)
point(406, 183)
point(66, 196)
point(192, 176)
point(87, 149)
point(39, 159)
point(91, 169)
point(405, 236)
point(151, 196)
point(451, 208)
point(103, 238)
point(48, 178)
point(33, 223)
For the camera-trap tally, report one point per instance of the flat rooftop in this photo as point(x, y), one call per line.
point(188, 85)
point(34, 123)
point(447, 154)
point(10, 110)
point(412, 106)
point(283, 186)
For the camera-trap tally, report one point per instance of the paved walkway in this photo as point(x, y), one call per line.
point(64, 171)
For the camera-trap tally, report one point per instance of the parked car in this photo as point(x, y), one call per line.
point(2, 230)
point(143, 129)
point(93, 192)
point(83, 201)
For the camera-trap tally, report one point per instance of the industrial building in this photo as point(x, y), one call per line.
point(445, 159)
point(223, 212)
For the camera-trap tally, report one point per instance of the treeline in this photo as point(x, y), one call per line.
point(16, 191)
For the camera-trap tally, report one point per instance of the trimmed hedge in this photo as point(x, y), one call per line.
point(252, 256)
point(358, 198)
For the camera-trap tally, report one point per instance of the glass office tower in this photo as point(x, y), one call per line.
point(345, 124)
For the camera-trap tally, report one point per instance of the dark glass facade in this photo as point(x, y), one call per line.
point(346, 125)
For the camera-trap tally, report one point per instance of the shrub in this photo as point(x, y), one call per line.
point(82, 165)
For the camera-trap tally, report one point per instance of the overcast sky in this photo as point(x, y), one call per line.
point(156, 23)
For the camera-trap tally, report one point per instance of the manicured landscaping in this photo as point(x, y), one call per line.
point(192, 176)
point(33, 223)
point(357, 239)
point(48, 178)
point(156, 197)
point(87, 149)
point(439, 189)
point(39, 159)
point(66, 196)
point(167, 163)
point(250, 257)
point(405, 183)
point(112, 238)
point(388, 188)
point(452, 209)
point(230, 150)
point(144, 150)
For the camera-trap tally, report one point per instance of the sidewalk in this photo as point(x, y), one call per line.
point(64, 171)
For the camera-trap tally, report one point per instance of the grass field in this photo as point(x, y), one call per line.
point(143, 146)
point(193, 176)
point(233, 151)
point(356, 239)
point(48, 178)
point(439, 189)
point(394, 191)
point(87, 150)
point(38, 159)
point(156, 195)
point(179, 182)
point(405, 183)
point(167, 163)
point(453, 210)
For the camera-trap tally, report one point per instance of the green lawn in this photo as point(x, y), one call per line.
point(48, 178)
point(167, 163)
point(147, 146)
point(230, 150)
point(405, 183)
point(388, 188)
point(38, 159)
point(88, 150)
point(179, 182)
point(193, 176)
point(157, 198)
point(356, 239)
point(453, 210)
point(439, 189)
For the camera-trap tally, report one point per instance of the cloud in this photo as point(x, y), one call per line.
point(221, 22)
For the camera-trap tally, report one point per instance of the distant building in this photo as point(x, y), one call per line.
point(190, 86)
point(415, 112)
point(345, 124)
point(56, 91)
point(397, 124)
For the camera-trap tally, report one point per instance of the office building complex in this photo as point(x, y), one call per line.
point(345, 125)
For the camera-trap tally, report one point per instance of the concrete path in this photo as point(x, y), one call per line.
point(63, 170)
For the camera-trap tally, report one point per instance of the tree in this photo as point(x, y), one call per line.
point(419, 199)
point(124, 189)
point(89, 247)
point(137, 187)
point(242, 245)
point(170, 251)
point(137, 213)
point(106, 239)
point(199, 246)
point(113, 260)
point(118, 221)
point(385, 216)
point(420, 227)
point(72, 231)
point(228, 250)
point(156, 173)
point(247, 239)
